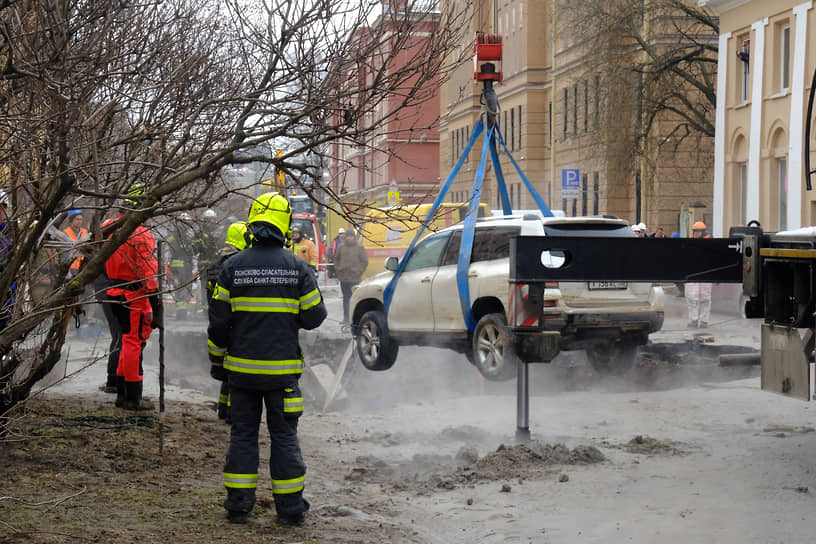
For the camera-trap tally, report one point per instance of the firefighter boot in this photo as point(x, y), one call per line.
point(120, 391)
point(133, 398)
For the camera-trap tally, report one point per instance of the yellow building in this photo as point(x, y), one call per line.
point(764, 75)
point(560, 113)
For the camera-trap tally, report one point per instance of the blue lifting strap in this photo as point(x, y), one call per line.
point(469, 228)
point(507, 208)
point(545, 210)
point(388, 293)
point(468, 231)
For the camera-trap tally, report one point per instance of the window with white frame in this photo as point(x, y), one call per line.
point(782, 170)
point(744, 70)
point(784, 57)
point(743, 192)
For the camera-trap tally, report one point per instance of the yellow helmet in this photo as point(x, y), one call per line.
point(272, 208)
point(235, 234)
point(135, 190)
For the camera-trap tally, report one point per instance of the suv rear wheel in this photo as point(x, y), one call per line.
point(613, 359)
point(376, 348)
point(493, 352)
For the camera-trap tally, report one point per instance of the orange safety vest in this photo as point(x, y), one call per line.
point(82, 233)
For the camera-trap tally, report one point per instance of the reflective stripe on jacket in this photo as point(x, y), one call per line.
point(262, 297)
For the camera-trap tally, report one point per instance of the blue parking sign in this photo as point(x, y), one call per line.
point(570, 183)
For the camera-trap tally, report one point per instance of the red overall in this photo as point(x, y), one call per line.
point(134, 263)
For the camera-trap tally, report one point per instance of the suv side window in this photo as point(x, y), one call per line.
point(427, 253)
point(500, 248)
point(451, 255)
point(488, 244)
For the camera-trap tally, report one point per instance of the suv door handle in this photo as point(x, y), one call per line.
point(426, 279)
point(473, 275)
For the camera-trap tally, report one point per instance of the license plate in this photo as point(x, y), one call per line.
point(607, 285)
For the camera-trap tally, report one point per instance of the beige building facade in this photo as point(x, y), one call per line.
point(765, 65)
point(558, 116)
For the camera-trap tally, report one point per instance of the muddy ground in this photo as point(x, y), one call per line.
point(677, 450)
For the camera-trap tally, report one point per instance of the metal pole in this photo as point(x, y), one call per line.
point(161, 347)
point(523, 403)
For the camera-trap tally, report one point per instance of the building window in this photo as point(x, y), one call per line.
point(743, 193)
point(584, 194)
point(782, 169)
point(519, 126)
point(512, 129)
point(467, 137)
point(596, 193)
point(566, 100)
point(504, 114)
point(744, 56)
point(575, 110)
point(784, 61)
point(549, 124)
point(586, 107)
point(597, 102)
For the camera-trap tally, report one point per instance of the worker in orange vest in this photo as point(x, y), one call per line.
point(75, 231)
point(304, 248)
point(698, 295)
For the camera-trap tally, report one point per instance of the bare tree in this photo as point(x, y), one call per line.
point(100, 95)
point(656, 62)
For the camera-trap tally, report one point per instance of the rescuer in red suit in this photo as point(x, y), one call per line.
point(132, 272)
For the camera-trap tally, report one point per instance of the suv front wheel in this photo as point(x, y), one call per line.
point(493, 352)
point(376, 348)
point(615, 359)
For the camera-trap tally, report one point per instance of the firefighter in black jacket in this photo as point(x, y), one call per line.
point(263, 296)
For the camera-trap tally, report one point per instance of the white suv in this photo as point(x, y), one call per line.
point(607, 319)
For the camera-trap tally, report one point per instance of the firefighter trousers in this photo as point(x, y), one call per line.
point(134, 320)
point(286, 466)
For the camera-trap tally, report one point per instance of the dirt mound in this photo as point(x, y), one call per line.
point(647, 445)
point(525, 459)
point(424, 473)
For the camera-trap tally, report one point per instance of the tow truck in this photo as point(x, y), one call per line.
point(777, 271)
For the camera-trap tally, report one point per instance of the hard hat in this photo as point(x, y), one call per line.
point(637, 228)
point(271, 208)
point(74, 213)
point(699, 225)
point(4, 199)
point(137, 189)
point(184, 216)
point(642, 227)
point(209, 214)
point(235, 234)
point(341, 230)
point(297, 228)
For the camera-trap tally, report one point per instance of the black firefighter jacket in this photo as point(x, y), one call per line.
point(264, 294)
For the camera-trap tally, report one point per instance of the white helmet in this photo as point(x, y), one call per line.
point(341, 230)
point(4, 199)
point(184, 216)
point(209, 214)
